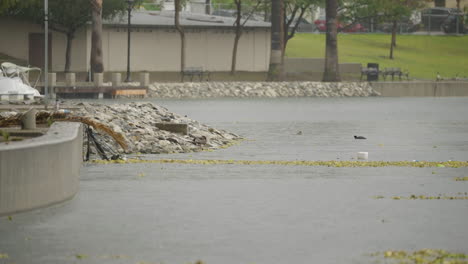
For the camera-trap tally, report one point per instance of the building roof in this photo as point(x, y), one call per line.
point(166, 19)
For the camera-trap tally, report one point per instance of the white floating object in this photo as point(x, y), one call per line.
point(362, 155)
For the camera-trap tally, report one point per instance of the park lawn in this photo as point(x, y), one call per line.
point(422, 55)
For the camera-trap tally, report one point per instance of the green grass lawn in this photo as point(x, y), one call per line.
point(423, 56)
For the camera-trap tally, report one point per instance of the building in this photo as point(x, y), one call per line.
point(155, 44)
point(449, 3)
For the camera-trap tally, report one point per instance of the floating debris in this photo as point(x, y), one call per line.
point(461, 179)
point(332, 163)
point(433, 256)
point(424, 197)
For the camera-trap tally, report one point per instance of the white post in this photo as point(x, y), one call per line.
point(46, 49)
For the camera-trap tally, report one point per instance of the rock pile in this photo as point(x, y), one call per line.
point(260, 89)
point(137, 122)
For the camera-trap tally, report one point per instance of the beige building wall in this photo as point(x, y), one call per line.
point(153, 49)
point(78, 51)
point(159, 49)
point(453, 4)
point(15, 43)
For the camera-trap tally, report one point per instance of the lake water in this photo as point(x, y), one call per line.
point(264, 214)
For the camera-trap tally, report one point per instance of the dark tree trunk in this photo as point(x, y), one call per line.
point(393, 43)
point(458, 4)
point(332, 73)
point(290, 34)
point(238, 35)
point(97, 65)
point(208, 7)
point(70, 37)
point(178, 6)
point(277, 38)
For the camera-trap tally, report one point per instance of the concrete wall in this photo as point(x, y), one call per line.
point(41, 171)
point(159, 49)
point(400, 89)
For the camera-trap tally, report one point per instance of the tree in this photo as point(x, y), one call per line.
point(294, 12)
point(238, 26)
point(277, 41)
point(392, 11)
point(65, 16)
point(208, 7)
point(178, 7)
point(332, 72)
point(97, 64)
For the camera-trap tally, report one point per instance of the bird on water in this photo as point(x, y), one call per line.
point(359, 137)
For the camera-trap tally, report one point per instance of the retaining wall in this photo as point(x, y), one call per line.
point(427, 88)
point(41, 171)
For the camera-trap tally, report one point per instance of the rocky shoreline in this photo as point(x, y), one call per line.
point(137, 123)
point(260, 89)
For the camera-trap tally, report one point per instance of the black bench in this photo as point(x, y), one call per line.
point(395, 72)
point(195, 71)
point(371, 71)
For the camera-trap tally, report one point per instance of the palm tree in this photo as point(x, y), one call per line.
point(97, 65)
point(332, 72)
point(277, 41)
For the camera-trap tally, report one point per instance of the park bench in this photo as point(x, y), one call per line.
point(366, 71)
point(195, 71)
point(395, 72)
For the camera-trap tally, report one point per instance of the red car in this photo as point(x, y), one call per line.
point(353, 28)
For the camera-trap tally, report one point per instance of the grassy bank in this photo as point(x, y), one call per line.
point(423, 56)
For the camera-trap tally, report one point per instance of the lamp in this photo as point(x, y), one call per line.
point(130, 4)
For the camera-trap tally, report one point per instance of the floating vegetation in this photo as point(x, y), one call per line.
point(461, 196)
point(461, 179)
point(424, 256)
point(333, 163)
point(81, 256)
point(3, 256)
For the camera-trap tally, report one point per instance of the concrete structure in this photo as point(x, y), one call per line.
point(427, 88)
point(41, 171)
point(155, 45)
point(174, 127)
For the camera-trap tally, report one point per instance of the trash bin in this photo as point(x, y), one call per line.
point(373, 75)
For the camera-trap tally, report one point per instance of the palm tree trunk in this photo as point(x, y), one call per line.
point(332, 73)
point(97, 65)
point(277, 37)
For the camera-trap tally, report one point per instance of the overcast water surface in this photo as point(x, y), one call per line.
point(267, 214)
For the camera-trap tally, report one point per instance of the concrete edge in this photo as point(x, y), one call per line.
point(43, 171)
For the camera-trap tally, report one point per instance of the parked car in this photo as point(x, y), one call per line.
point(450, 24)
point(321, 25)
point(403, 27)
point(304, 25)
point(434, 17)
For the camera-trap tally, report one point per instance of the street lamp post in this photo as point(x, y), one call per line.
point(130, 7)
point(46, 50)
